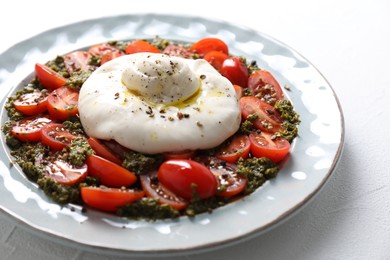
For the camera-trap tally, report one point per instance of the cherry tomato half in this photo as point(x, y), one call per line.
point(56, 136)
point(110, 55)
point(29, 129)
point(186, 177)
point(268, 118)
point(109, 199)
point(100, 49)
point(216, 58)
point(141, 46)
point(239, 91)
point(109, 173)
point(188, 154)
point(264, 145)
point(235, 71)
point(48, 77)
point(178, 51)
point(77, 61)
point(237, 147)
point(229, 182)
point(209, 44)
point(32, 103)
point(65, 173)
point(265, 87)
point(154, 189)
point(62, 103)
point(103, 151)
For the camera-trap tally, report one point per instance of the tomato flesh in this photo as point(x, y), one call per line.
point(234, 70)
point(141, 46)
point(103, 151)
point(62, 103)
point(109, 199)
point(209, 44)
point(265, 145)
point(178, 51)
point(237, 147)
point(32, 104)
point(56, 136)
point(154, 189)
point(77, 61)
point(216, 58)
point(48, 77)
point(29, 129)
point(264, 86)
point(186, 178)
point(109, 173)
point(229, 182)
point(65, 173)
point(268, 119)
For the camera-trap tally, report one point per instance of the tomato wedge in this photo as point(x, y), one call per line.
point(48, 77)
point(186, 177)
point(56, 136)
point(103, 150)
point(209, 44)
point(178, 51)
point(229, 182)
point(62, 103)
point(29, 129)
point(109, 173)
point(239, 91)
point(216, 58)
point(234, 70)
point(154, 189)
point(77, 61)
point(100, 49)
point(141, 46)
point(237, 147)
point(33, 103)
point(268, 119)
point(265, 145)
point(188, 154)
point(110, 55)
point(65, 173)
point(265, 87)
point(109, 199)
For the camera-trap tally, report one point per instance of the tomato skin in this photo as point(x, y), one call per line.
point(264, 86)
point(239, 91)
point(268, 118)
point(109, 199)
point(154, 189)
point(109, 173)
point(48, 77)
point(178, 51)
point(188, 154)
point(209, 44)
point(77, 61)
point(103, 151)
point(263, 145)
point(184, 177)
point(234, 70)
point(141, 46)
point(62, 103)
point(229, 181)
point(216, 58)
point(32, 104)
point(110, 55)
point(238, 147)
point(64, 173)
point(29, 129)
point(56, 136)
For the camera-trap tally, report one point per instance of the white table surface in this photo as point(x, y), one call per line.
point(349, 42)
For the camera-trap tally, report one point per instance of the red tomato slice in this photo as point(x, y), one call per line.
point(141, 46)
point(154, 189)
point(77, 61)
point(65, 173)
point(100, 49)
point(103, 151)
point(31, 104)
point(237, 147)
point(179, 155)
point(48, 77)
point(235, 71)
point(209, 44)
point(268, 118)
point(56, 136)
point(239, 91)
point(216, 58)
point(186, 177)
point(178, 51)
point(62, 103)
point(264, 86)
point(109, 173)
point(109, 199)
point(29, 129)
point(110, 55)
point(264, 145)
point(229, 181)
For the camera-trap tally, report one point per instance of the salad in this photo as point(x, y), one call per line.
point(61, 133)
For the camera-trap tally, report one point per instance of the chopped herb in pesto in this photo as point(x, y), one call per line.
point(290, 119)
point(207, 205)
point(78, 78)
point(60, 193)
point(79, 149)
point(140, 163)
point(58, 65)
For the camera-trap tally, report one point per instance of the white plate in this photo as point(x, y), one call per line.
point(314, 154)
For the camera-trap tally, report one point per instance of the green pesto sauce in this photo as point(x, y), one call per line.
point(139, 163)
